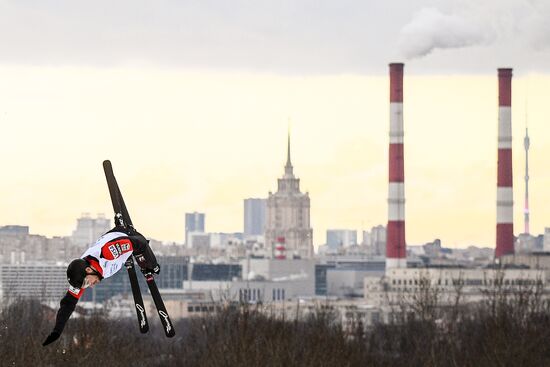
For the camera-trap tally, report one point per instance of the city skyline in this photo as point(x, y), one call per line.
point(321, 166)
point(518, 159)
point(195, 117)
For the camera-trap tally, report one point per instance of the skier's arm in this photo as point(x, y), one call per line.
point(144, 255)
point(67, 306)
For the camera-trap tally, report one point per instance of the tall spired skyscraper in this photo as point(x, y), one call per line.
point(287, 216)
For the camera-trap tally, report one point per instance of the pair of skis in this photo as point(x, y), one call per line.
point(122, 219)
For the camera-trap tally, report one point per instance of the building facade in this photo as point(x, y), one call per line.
point(194, 222)
point(23, 249)
point(288, 216)
point(89, 229)
point(47, 283)
point(546, 240)
point(14, 230)
point(341, 238)
point(402, 286)
point(254, 217)
point(375, 240)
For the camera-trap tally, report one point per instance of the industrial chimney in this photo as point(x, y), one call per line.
point(505, 201)
point(396, 252)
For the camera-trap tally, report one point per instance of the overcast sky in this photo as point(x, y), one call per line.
point(287, 36)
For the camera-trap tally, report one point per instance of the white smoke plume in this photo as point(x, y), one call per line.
point(430, 29)
point(538, 25)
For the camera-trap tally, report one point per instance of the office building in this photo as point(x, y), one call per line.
point(194, 222)
point(341, 238)
point(89, 229)
point(254, 217)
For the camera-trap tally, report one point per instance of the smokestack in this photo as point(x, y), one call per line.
point(505, 201)
point(396, 254)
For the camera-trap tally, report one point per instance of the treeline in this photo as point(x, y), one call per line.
point(501, 331)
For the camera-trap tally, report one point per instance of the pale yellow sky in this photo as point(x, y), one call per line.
point(182, 141)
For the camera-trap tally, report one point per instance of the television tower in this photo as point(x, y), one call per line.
point(526, 212)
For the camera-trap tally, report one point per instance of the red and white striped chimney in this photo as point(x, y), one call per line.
point(396, 252)
point(505, 200)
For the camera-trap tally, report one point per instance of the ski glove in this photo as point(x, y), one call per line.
point(144, 256)
point(51, 338)
point(154, 270)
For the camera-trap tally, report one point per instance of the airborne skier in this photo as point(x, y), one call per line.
point(102, 260)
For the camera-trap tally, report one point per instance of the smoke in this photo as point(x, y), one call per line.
point(509, 24)
point(430, 29)
point(537, 25)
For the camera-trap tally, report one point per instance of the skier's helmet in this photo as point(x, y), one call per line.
point(76, 272)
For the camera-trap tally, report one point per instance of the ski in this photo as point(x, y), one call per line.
point(129, 264)
point(124, 218)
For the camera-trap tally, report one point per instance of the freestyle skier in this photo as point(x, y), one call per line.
point(102, 260)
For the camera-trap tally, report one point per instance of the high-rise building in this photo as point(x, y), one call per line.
point(254, 217)
point(340, 238)
point(89, 229)
point(287, 216)
point(194, 222)
point(375, 240)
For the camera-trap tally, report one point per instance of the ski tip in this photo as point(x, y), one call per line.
point(144, 329)
point(171, 334)
point(107, 166)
